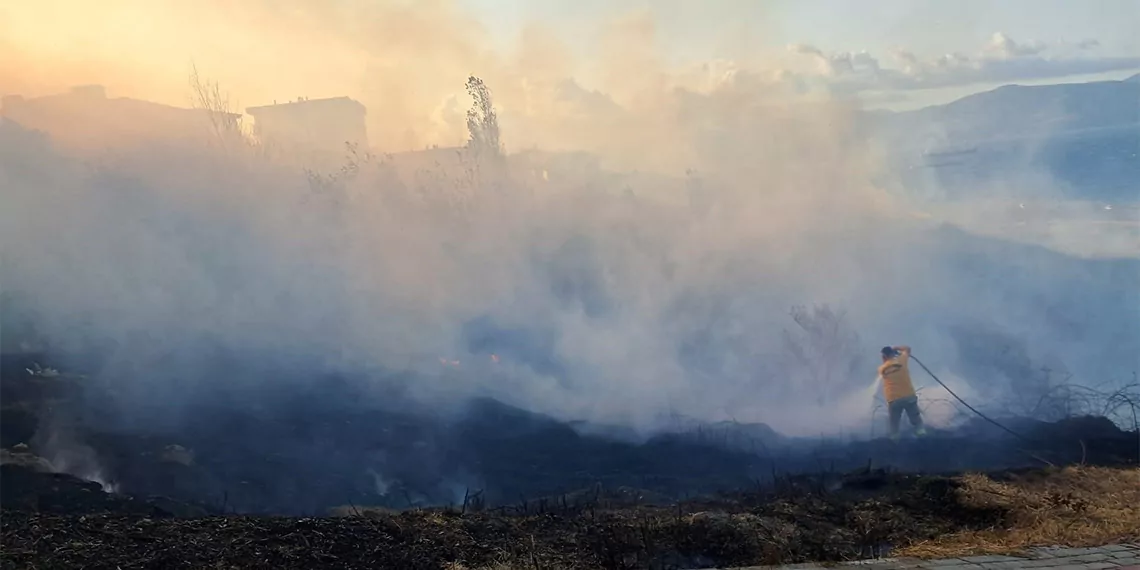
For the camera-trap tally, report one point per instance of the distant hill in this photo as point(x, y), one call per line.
point(1027, 111)
point(1083, 139)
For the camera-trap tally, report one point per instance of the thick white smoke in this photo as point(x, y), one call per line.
point(619, 298)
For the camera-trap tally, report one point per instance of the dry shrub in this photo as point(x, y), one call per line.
point(1073, 506)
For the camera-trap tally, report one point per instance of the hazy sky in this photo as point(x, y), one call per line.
point(707, 28)
point(407, 59)
point(693, 31)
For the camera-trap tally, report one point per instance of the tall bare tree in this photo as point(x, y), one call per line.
point(482, 121)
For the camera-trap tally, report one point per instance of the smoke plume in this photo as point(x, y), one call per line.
point(658, 282)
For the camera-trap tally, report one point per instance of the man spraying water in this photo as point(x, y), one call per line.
point(898, 389)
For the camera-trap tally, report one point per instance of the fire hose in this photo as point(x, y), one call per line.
point(980, 414)
point(964, 403)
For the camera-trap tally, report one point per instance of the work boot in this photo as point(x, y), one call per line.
point(920, 432)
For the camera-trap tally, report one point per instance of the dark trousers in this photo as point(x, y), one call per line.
point(896, 408)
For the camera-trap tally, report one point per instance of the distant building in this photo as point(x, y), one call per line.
point(542, 167)
point(85, 118)
point(308, 126)
point(435, 161)
point(538, 169)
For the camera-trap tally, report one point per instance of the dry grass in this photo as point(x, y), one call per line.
point(1073, 506)
point(361, 511)
point(497, 566)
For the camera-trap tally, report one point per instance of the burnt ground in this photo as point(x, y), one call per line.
point(804, 518)
point(525, 491)
point(800, 522)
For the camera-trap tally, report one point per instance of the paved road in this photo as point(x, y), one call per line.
point(1117, 556)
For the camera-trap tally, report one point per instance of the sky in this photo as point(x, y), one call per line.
point(730, 29)
point(407, 60)
point(926, 27)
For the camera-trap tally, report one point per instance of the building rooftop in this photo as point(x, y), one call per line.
point(84, 96)
point(300, 103)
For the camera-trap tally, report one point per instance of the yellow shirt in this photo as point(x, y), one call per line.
point(896, 377)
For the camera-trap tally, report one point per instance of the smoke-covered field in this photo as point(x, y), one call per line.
point(607, 301)
point(224, 302)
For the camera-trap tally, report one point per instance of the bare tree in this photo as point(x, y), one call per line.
point(825, 347)
point(225, 122)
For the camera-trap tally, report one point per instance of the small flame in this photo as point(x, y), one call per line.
point(495, 358)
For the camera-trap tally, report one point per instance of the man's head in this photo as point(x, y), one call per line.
point(888, 353)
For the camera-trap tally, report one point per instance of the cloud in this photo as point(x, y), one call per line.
point(1004, 47)
point(839, 64)
point(1001, 59)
